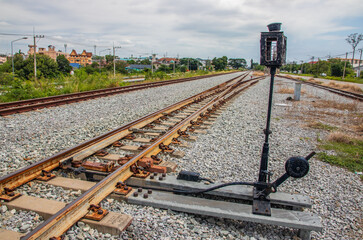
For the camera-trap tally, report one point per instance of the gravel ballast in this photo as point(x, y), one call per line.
point(230, 151)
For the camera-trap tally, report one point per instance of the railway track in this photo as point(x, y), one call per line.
point(352, 95)
point(39, 103)
point(132, 155)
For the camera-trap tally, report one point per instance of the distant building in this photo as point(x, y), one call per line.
point(138, 67)
point(355, 61)
point(3, 59)
point(83, 59)
point(168, 61)
point(51, 52)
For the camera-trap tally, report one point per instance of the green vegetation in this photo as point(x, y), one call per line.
point(319, 125)
point(54, 78)
point(348, 154)
point(331, 69)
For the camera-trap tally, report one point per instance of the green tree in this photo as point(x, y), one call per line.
point(63, 64)
point(236, 63)
point(191, 62)
point(220, 63)
point(109, 58)
point(145, 62)
point(354, 39)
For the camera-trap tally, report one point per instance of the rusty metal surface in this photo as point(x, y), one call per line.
point(355, 96)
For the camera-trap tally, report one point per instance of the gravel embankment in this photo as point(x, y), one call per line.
point(229, 152)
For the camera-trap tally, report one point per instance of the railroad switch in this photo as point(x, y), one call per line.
point(139, 172)
point(96, 166)
point(9, 195)
point(101, 153)
point(122, 189)
point(45, 176)
point(96, 213)
point(165, 148)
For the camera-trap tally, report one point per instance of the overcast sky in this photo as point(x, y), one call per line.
point(188, 28)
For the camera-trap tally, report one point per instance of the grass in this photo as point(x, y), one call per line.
point(345, 86)
point(287, 90)
point(348, 151)
point(337, 105)
point(346, 79)
point(319, 125)
point(18, 89)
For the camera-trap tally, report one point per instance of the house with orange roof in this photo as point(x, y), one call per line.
point(83, 59)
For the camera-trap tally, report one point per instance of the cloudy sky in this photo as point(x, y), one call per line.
point(188, 28)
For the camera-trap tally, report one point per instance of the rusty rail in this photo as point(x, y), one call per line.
point(89, 147)
point(65, 218)
point(355, 96)
point(38, 103)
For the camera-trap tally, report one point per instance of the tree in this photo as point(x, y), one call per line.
point(191, 62)
point(354, 39)
point(220, 63)
point(145, 62)
point(236, 63)
point(109, 58)
point(63, 64)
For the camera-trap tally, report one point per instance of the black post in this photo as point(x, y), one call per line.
point(265, 149)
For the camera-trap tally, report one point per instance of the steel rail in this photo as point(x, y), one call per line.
point(65, 218)
point(38, 103)
point(87, 148)
point(355, 96)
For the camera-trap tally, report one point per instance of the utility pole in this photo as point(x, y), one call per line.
point(65, 48)
point(35, 54)
point(114, 64)
point(360, 59)
point(345, 64)
point(302, 66)
point(94, 47)
point(152, 62)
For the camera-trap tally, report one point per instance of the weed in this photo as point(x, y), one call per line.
point(348, 151)
point(337, 105)
point(319, 125)
point(286, 90)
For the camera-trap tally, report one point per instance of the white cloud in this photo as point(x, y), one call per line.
point(196, 28)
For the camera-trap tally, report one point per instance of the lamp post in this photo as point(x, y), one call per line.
point(12, 55)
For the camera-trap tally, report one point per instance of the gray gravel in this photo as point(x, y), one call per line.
point(229, 152)
point(30, 137)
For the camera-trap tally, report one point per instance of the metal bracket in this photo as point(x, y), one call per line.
point(122, 189)
point(45, 176)
point(261, 204)
point(101, 153)
point(9, 195)
point(165, 148)
point(96, 213)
